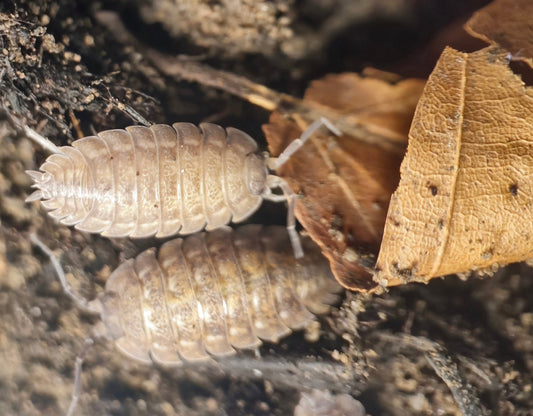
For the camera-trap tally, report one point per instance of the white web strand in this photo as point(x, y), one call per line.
point(77, 377)
point(41, 140)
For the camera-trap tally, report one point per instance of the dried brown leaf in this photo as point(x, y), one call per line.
point(346, 183)
point(465, 197)
point(507, 23)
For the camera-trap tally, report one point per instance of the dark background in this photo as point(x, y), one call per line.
point(61, 66)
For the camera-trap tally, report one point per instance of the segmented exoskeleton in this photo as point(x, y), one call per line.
point(210, 293)
point(161, 180)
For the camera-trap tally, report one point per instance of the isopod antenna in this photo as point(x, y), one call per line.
point(274, 181)
point(94, 307)
point(276, 162)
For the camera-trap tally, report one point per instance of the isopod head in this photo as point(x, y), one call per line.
point(256, 174)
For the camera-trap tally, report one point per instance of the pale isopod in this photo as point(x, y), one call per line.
point(162, 180)
point(210, 293)
point(323, 403)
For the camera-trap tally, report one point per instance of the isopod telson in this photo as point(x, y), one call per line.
point(209, 293)
point(163, 180)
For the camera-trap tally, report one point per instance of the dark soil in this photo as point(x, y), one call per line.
point(451, 347)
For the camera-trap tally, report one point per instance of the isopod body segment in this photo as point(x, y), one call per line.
point(210, 293)
point(159, 180)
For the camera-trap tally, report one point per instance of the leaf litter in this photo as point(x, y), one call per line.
point(464, 200)
point(346, 184)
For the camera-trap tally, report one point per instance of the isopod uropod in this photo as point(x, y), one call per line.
point(162, 180)
point(209, 293)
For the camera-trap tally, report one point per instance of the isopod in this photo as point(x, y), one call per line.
point(163, 180)
point(211, 293)
point(323, 403)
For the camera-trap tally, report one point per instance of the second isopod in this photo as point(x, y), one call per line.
point(211, 293)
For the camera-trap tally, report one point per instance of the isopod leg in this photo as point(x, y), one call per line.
point(275, 163)
point(290, 197)
point(77, 376)
point(92, 307)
